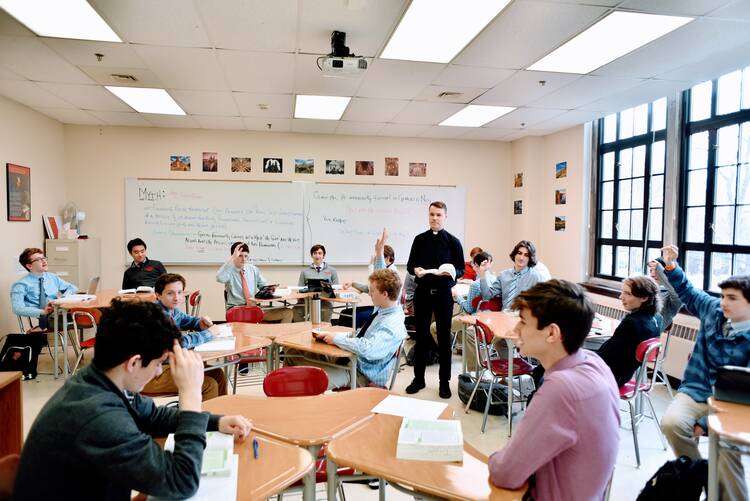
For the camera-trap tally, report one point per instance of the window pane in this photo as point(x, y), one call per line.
point(694, 267)
point(640, 119)
point(741, 264)
point(624, 195)
point(654, 225)
point(728, 142)
point(696, 220)
point(700, 101)
point(626, 123)
point(636, 260)
point(652, 254)
point(742, 229)
point(605, 260)
point(657, 157)
point(626, 163)
point(746, 88)
point(744, 182)
point(637, 200)
point(697, 187)
point(621, 265)
point(623, 224)
point(721, 268)
point(657, 191)
point(745, 142)
point(610, 128)
point(608, 195)
point(639, 160)
point(728, 95)
point(725, 185)
point(606, 226)
point(659, 114)
point(698, 151)
point(636, 225)
point(723, 225)
point(608, 166)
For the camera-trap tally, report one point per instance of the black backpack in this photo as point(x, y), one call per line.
point(682, 479)
point(499, 404)
point(21, 353)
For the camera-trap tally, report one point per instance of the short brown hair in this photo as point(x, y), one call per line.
point(387, 281)
point(317, 247)
point(243, 247)
point(643, 287)
point(473, 252)
point(389, 253)
point(166, 279)
point(563, 303)
point(440, 205)
point(25, 257)
point(739, 282)
point(529, 247)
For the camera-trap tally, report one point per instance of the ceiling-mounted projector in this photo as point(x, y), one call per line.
point(341, 62)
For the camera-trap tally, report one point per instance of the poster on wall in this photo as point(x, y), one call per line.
point(210, 161)
point(560, 197)
point(304, 166)
point(561, 170)
point(417, 169)
point(517, 207)
point(559, 223)
point(335, 167)
point(19, 192)
point(391, 166)
point(518, 180)
point(241, 164)
point(273, 165)
point(179, 163)
point(364, 168)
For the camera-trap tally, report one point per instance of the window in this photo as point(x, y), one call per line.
point(714, 228)
point(630, 195)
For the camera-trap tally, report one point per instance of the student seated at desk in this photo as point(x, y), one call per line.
point(470, 273)
point(142, 271)
point(318, 269)
point(169, 290)
point(568, 438)
point(93, 438)
point(383, 258)
point(241, 281)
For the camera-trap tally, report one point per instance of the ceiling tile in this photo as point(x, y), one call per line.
point(6, 74)
point(308, 79)
point(201, 102)
point(647, 91)
point(471, 76)
point(32, 59)
point(359, 128)
point(525, 32)
point(524, 117)
point(570, 119)
point(465, 94)
point(405, 130)
point(605, 3)
point(711, 67)
point(82, 52)
point(674, 7)
point(10, 27)
point(314, 126)
point(173, 23)
point(256, 25)
point(177, 121)
point(487, 134)
point(70, 116)
point(261, 72)
point(117, 118)
point(103, 76)
point(524, 88)
point(226, 123)
point(438, 132)
point(373, 110)
point(423, 112)
point(390, 79)
point(277, 124)
point(277, 105)
point(184, 68)
point(31, 94)
point(737, 10)
point(585, 90)
point(86, 97)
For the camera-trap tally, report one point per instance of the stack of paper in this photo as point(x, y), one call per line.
point(218, 344)
point(408, 407)
point(216, 456)
point(430, 440)
point(74, 298)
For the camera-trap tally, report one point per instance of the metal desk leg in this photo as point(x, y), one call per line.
point(353, 372)
point(354, 317)
point(713, 467)
point(308, 482)
point(510, 387)
point(331, 473)
point(56, 328)
point(269, 357)
point(463, 348)
point(381, 486)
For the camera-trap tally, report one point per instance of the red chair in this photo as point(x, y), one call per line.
point(84, 318)
point(194, 303)
point(492, 304)
point(248, 315)
point(638, 389)
point(498, 369)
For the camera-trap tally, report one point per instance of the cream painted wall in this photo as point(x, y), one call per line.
point(98, 160)
point(30, 139)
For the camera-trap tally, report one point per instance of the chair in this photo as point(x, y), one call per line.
point(492, 304)
point(639, 388)
point(394, 371)
point(84, 318)
point(661, 376)
point(249, 315)
point(498, 369)
point(26, 325)
point(8, 469)
point(194, 303)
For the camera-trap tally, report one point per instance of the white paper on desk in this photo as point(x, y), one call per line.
point(282, 292)
point(212, 488)
point(225, 330)
point(75, 298)
point(219, 344)
point(413, 408)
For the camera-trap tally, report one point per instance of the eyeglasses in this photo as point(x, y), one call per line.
point(43, 258)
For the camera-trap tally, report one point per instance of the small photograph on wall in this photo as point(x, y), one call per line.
point(180, 163)
point(560, 197)
point(561, 170)
point(241, 164)
point(273, 165)
point(417, 169)
point(391, 166)
point(335, 167)
point(304, 166)
point(364, 167)
point(210, 161)
point(518, 180)
point(19, 192)
point(559, 223)
point(517, 207)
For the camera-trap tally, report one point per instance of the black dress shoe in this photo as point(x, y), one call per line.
point(445, 389)
point(415, 386)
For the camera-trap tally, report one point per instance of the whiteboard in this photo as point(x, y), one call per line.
point(196, 222)
point(348, 218)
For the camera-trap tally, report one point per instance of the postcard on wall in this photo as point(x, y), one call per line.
point(335, 167)
point(179, 163)
point(560, 197)
point(304, 166)
point(364, 168)
point(273, 165)
point(517, 207)
point(559, 223)
point(391, 166)
point(561, 170)
point(241, 164)
point(210, 161)
point(518, 180)
point(19, 192)
point(417, 169)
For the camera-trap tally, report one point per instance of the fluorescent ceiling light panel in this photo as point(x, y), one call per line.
point(614, 36)
point(145, 100)
point(320, 107)
point(475, 115)
point(61, 19)
point(435, 31)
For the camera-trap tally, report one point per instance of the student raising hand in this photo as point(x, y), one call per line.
point(670, 254)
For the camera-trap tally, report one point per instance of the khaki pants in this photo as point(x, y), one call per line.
point(677, 424)
point(278, 315)
point(214, 384)
point(338, 377)
point(326, 311)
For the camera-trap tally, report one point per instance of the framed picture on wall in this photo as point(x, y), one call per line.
point(19, 192)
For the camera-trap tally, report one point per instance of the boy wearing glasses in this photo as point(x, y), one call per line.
point(31, 295)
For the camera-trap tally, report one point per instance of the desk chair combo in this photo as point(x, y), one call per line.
point(250, 315)
point(84, 318)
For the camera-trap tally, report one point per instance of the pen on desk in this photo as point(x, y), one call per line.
point(256, 447)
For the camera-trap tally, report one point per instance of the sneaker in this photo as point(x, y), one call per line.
point(445, 389)
point(415, 386)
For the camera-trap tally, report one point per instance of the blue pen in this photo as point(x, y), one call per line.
point(256, 446)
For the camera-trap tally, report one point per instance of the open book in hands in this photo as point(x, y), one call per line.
point(445, 269)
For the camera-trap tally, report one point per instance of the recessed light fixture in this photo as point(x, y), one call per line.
point(435, 31)
point(476, 115)
point(614, 36)
point(145, 100)
point(61, 19)
point(320, 107)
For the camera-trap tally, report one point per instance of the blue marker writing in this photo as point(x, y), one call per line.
point(256, 446)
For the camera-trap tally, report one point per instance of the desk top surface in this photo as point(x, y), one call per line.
point(730, 420)
point(104, 297)
point(242, 343)
point(305, 341)
point(272, 331)
point(7, 378)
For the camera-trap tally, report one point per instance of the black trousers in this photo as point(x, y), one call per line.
point(426, 303)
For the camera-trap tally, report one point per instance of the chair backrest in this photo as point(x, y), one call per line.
point(195, 303)
point(246, 314)
point(492, 304)
point(295, 381)
point(396, 364)
point(482, 343)
point(647, 352)
point(85, 318)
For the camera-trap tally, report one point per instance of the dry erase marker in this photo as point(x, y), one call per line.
point(256, 446)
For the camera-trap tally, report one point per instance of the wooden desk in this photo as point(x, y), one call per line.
point(730, 422)
point(304, 341)
point(308, 422)
point(242, 342)
point(11, 410)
